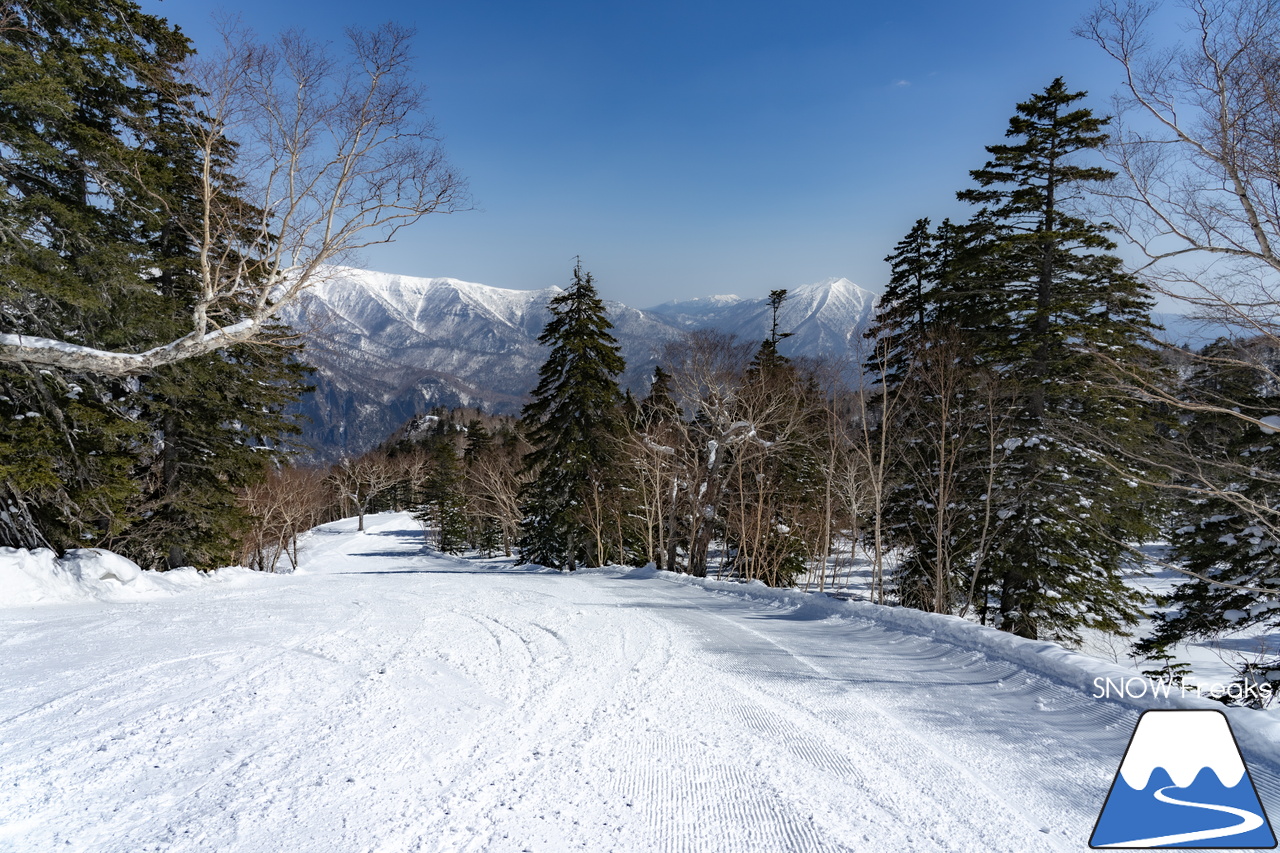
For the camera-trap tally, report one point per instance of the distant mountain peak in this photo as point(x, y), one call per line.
point(388, 346)
point(833, 285)
point(696, 306)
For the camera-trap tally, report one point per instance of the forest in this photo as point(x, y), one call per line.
point(1014, 433)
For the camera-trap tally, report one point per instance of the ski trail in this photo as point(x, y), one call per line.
point(390, 700)
point(863, 780)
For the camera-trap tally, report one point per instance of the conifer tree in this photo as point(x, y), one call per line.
point(1227, 537)
point(927, 358)
point(71, 85)
point(574, 427)
point(905, 312)
point(446, 505)
point(658, 431)
point(484, 528)
point(479, 441)
point(1061, 299)
point(773, 471)
point(217, 420)
point(1000, 335)
point(95, 170)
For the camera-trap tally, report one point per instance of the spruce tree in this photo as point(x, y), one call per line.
point(998, 338)
point(926, 361)
point(484, 527)
point(1225, 535)
point(479, 441)
point(905, 312)
point(217, 420)
point(95, 173)
point(445, 506)
point(574, 427)
point(773, 471)
point(659, 431)
point(71, 90)
point(1066, 311)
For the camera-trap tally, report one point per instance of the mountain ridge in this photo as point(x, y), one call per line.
point(387, 346)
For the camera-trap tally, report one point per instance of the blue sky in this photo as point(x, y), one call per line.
point(698, 147)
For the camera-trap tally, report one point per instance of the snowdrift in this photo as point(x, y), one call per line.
point(94, 574)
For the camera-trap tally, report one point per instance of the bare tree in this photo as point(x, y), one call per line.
point(11, 17)
point(358, 480)
point(332, 154)
point(833, 439)
point(866, 480)
point(706, 369)
point(1196, 151)
point(652, 450)
point(772, 465)
point(493, 491)
point(283, 505)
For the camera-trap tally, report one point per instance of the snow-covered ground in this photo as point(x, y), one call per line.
point(390, 699)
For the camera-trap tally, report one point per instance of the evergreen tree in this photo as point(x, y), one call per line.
point(927, 360)
point(95, 172)
point(218, 420)
point(446, 505)
point(658, 431)
point(574, 427)
point(773, 470)
point(479, 441)
point(1062, 300)
point(71, 90)
point(659, 405)
point(905, 313)
point(484, 527)
point(997, 338)
point(1224, 535)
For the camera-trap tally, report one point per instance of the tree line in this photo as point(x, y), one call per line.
point(156, 210)
point(1013, 435)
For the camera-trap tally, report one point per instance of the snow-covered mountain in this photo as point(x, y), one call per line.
point(825, 318)
point(386, 347)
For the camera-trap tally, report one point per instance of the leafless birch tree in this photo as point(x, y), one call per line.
point(358, 480)
point(332, 154)
point(1197, 148)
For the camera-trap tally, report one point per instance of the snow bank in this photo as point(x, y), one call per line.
point(1257, 730)
point(94, 574)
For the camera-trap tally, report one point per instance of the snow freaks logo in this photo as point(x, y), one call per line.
point(1183, 783)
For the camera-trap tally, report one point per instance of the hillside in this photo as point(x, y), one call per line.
point(392, 698)
point(386, 347)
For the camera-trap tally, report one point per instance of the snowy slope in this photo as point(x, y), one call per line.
point(387, 347)
point(824, 318)
point(390, 699)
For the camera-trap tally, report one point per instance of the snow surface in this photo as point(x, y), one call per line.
point(387, 698)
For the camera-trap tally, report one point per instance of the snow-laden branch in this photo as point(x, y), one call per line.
point(46, 352)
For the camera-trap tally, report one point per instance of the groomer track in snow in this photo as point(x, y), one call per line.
point(390, 699)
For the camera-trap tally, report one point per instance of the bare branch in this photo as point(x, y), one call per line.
point(330, 155)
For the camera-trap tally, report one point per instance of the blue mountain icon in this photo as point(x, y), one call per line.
point(1182, 783)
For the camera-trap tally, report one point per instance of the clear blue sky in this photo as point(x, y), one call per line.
point(697, 147)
